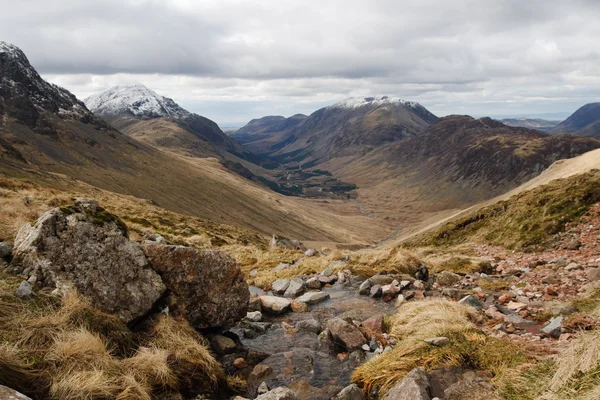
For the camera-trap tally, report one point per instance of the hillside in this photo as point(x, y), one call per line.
point(531, 123)
point(259, 135)
point(45, 130)
point(585, 121)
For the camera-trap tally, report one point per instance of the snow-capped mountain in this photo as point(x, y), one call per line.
point(355, 102)
point(135, 100)
point(24, 92)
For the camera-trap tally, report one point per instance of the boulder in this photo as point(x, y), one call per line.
point(554, 327)
point(374, 324)
point(279, 393)
point(298, 306)
point(24, 290)
point(447, 278)
point(206, 287)
point(313, 297)
point(313, 283)
point(351, 392)
point(309, 325)
point(295, 288)
point(310, 253)
point(346, 334)
point(327, 280)
point(327, 272)
point(274, 304)
point(381, 280)
point(6, 249)
point(254, 316)
point(222, 344)
point(280, 286)
point(365, 287)
point(471, 300)
point(376, 291)
point(414, 386)
point(285, 243)
point(10, 394)
point(84, 247)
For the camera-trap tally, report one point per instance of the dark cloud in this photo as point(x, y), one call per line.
point(480, 57)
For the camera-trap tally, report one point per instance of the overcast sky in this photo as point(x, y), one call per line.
point(236, 60)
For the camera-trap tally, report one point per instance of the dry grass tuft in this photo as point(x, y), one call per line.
point(152, 365)
point(84, 385)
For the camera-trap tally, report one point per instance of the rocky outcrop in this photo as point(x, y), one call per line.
point(205, 287)
point(84, 247)
point(280, 242)
point(414, 386)
point(10, 394)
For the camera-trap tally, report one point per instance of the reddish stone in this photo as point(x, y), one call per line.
point(374, 324)
point(240, 363)
point(551, 290)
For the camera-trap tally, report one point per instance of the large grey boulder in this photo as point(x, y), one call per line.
point(295, 288)
point(206, 287)
point(414, 386)
point(351, 392)
point(280, 286)
point(10, 394)
point(84, 247)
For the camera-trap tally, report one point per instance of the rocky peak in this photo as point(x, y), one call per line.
point(136, 100)
point(24, 94)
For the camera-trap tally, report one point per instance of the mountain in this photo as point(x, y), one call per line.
point(49, 137)
point(260, 134)
point(585, 121)
point(157, 120)
point(531, 123)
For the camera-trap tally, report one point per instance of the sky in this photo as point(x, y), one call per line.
point(234, 60)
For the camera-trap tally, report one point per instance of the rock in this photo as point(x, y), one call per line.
point(472, 301)
point(346, 334)
point(285, 243)
point(280, 286)
point(259, 374)
point(374, 324)
point(561, 262)
point(240, 363)
point(327, 272)
point(437, 341)
point(254, 303)
point(551, 290)
point(10, 394)
point(572, 267)
point(6, 249)
point(399, 301)
point(365, 287)
point(554, 327)
point(451, 293)
point(313, 283)
point(471, 389)
point(295, 289)
point(279, 393)
point(341, 278)
point(380, 280)
point(310, 253)
point(253, 273)
point(337, 264)
point(206, 287)
point(351, 392)
point(563, 309)
point(282, 266)
point(447, 278)
point(419, 284)
point(593, 274)
point(309, 325)
point(327, 280)
point(84, 247)
point(313, 297)
point(414, 386)
point(422, 273)
point(263, 388)
point(514, 305)
point(376, 291)
point(274, 304)
point(298, 306)
point(24, 290)
point(222, 344)
point(572, 244)
point(391, 290)
point(254, 316)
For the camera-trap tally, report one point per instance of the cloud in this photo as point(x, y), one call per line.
point(236, 59)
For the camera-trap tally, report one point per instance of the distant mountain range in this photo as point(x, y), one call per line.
point(531, 123)
point(585, 121)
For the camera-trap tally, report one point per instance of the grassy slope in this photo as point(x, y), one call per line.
point(525, 220)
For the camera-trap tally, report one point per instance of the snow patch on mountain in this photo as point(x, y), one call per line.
point(136, 100)
point(355, 102)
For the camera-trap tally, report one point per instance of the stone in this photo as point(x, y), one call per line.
point(419, 284)
point(572, 244)
point(563, 309)
point(471, 389)
point(280, 286)
point(351, 392)
point(24, 290)
point(422, 273)
point(346, 334)
point(310, 253)
point(341, 278)
point(451, 293)
point(259, 374)
point(399, 301)
point(374, 324)
point(274, 304)
point(263, 388)
point(84, 247)
point(295, 289)
point(10, 394)
point(593, 274)
point(472, 301)
point(282, 266)
point(298, 306)
point(222, 344)
point(375, 291)
point(390, 290)
point(364, 287)
point(309, 325)
point(447, 278)
point(337, 264)
point(554, 327)
point(515, 305)
point(414, 386)
point(313, 283)
point(254, 303)
point(380, 280)
point(6, 249)
point(285, 243)
point(437, 341)
point(327, 272)
point(240, 363)
point(254, 316)
point(572, 267)
point(253, 273)
point(327, 280)
point(279, 393)
point(561, 262)
point(313, 297)
point(206, 287)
